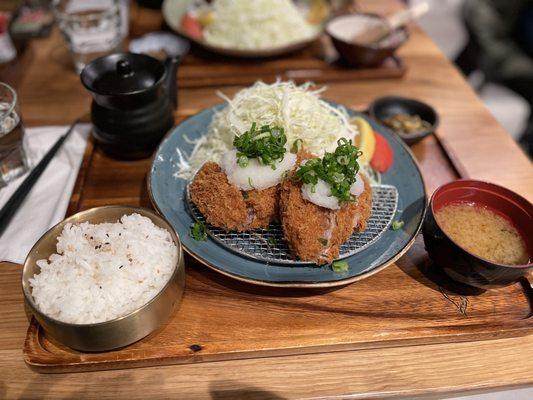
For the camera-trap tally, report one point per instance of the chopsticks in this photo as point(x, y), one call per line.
point(15, 201)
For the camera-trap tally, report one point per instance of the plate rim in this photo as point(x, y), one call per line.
point(297, 284)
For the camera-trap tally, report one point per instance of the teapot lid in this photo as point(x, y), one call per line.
point(122, 73)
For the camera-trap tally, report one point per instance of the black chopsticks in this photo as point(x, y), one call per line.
point(15, 201)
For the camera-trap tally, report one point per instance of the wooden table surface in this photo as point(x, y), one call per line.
point(474, 142)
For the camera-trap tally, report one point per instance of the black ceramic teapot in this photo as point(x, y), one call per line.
point(134, 96)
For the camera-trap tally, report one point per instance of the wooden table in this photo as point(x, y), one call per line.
point(469, 143)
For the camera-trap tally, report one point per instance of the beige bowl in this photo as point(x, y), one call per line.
point(121, 331)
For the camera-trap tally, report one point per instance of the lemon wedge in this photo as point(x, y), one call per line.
point(366, 141)
point(206, 18)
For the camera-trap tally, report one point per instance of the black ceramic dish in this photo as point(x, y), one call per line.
point(342, 28)
point(461, 265)
point(134, 96)
point(385, 107)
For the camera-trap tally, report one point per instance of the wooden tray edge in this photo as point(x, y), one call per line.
point(299, 76)
point(34, 354)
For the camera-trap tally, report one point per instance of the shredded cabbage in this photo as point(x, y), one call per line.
point(298, 109)
point(256, 24)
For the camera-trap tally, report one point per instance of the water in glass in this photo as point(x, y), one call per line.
point(13, 160)
point(91, 28)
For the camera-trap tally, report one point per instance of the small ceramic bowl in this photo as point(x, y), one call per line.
point(343, 28)
point(385, 107)
point(461, 265)
point(118, 332)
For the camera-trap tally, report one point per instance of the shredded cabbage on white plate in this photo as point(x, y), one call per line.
point(255, 24)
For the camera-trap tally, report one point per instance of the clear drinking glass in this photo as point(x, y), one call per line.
point(13, 160)
point(91, 28)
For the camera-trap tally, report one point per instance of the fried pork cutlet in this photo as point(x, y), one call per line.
point(315, 233)
point(225, 206)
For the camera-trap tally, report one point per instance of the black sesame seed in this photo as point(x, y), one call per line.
point(120, 267)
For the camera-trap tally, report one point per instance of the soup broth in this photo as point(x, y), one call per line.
point(483, 233)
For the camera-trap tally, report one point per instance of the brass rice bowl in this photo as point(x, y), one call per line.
point(118, 332)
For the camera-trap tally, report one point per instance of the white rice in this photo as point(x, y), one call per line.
point(104, 271)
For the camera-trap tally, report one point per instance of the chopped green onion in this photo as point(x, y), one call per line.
point(343, 160)
point(398, 224)
point(242, 161)
point(296, 146)
point(266, 144)
point(276, 132)
point(198, 231)
point(261, 136)
point(339, 266)
point(250, 182)
point(272, 241)
point(337, 177)
point(338, 169)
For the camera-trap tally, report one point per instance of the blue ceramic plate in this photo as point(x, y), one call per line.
point(168, 194)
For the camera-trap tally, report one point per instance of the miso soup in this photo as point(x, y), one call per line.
point(483, 232)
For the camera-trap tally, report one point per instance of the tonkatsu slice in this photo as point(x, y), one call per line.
point(242, 191)
point(318, 216)
point(315, 233)
point(225, 206)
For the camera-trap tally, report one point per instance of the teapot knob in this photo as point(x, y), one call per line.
point(124, 68)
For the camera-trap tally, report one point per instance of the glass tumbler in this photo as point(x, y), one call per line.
point(13, 160)
point(91, 28)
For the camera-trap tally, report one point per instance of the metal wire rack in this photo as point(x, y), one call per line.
point(269, 246)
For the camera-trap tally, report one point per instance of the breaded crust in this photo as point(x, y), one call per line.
point(221, 203)
point(315, 233)
point(265, 206)
point(225, 206)
point(303, 222)
point(353, 216)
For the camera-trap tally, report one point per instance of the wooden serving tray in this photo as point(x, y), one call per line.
point(408, 303)
point(200, 69)
point(222, 319)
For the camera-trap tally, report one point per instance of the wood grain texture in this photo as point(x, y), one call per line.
point(51, 94)
point(230, 320)
point(373, 373)
point(201, 69)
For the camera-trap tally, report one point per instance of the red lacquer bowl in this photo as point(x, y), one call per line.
point(458, 263)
